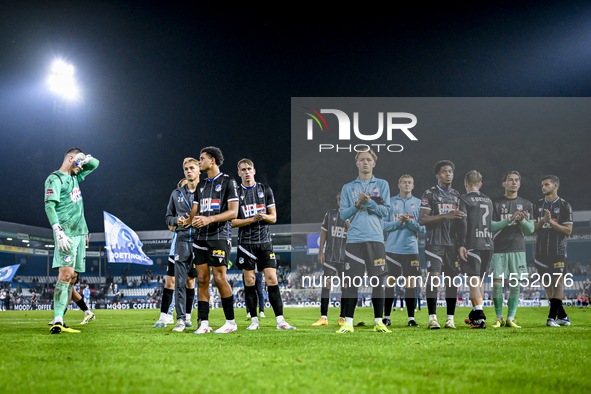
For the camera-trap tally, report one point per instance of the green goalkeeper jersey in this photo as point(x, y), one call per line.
point(64, 191)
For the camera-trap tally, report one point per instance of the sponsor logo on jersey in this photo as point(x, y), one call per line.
point(67, 258)
point(49, 192)
point(218, 188)
point(219, 253)
point(445, 208)
point(272, 256)
point(76, 194)
point(559, 264)
point(339, 232)
point(378, 262)
point(414, 263)
point(252, 209)
point(261, 194)
point(483, 233)
point(207, 205)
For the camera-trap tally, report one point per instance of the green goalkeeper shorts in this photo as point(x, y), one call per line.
point(75, 257)
point(503, 264)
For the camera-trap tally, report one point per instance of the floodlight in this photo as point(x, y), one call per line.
point(61, 80)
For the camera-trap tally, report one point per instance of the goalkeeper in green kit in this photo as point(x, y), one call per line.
point(65, 211)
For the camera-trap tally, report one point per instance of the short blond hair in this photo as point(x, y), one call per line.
point(248, 162)
point(181, 182)
point(473, 178)
point(190, 160)
point(370, 151)
point(405, 176)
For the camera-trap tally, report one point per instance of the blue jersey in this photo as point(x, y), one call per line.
point(366, 221)
point(403, 238)
point(86, 293)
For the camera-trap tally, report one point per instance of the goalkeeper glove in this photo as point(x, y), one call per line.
point(63, 241)
point(81, 159)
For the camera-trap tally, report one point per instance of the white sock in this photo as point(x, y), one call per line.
point(501, 316)
point(477, 307)
point(411, 318)
point(204, 323)
point(349, 320)
point(432, 317)
point(87, 312)
point(386, 317)
point(450, 317)
point(279, 319)
point(324, 317)
point(378, 320)
point(188, 317)
point(163, 316)
point(59, 320)
point(509, 318)
point(231, 321)
point(255, 320)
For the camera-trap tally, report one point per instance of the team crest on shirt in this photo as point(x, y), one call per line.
point(347, 266)
point(241, 260)
point(376, 191)
point(519, 207)
point(67, 258)
point(261, 194)
point(176, 257)
point(218, 188)
point(413, 206)
point(556, 210)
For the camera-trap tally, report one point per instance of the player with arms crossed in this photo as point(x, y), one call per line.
point(402, 247)
point(553, 222)
point(182, 272)
point(333, 234)
point(214, 206)
point(364, 203)
point(509, 254)
point(255, 248)
point(439, 208)
point(65, 211)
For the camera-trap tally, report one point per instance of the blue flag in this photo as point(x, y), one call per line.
point(123, 244)
point(7, 273)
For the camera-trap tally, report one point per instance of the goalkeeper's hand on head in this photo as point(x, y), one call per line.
point(63, 241)
point(81, 159)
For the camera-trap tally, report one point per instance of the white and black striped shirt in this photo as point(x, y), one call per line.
point(212, 196)
point(254, 199)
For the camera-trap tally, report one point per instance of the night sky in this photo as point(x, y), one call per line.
point(161, 80)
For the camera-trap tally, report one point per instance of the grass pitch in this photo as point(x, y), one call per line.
point(120, 352)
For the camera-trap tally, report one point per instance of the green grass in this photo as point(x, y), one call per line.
point(120, 352)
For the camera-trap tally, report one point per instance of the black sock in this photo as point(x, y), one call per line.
point(431, 299)
point(203, 310)
point(377, 299)
point(388, 301)
point(451, 298)
point(190, 300)
point(275, 299)
point(554, 306)
point(351, 301)
point(342, 308)
point(561, 312)
point(410, 301)
point(250, 299)
point(228, 307)
point(166, 300)
point(82, 305)
point(324, 301)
